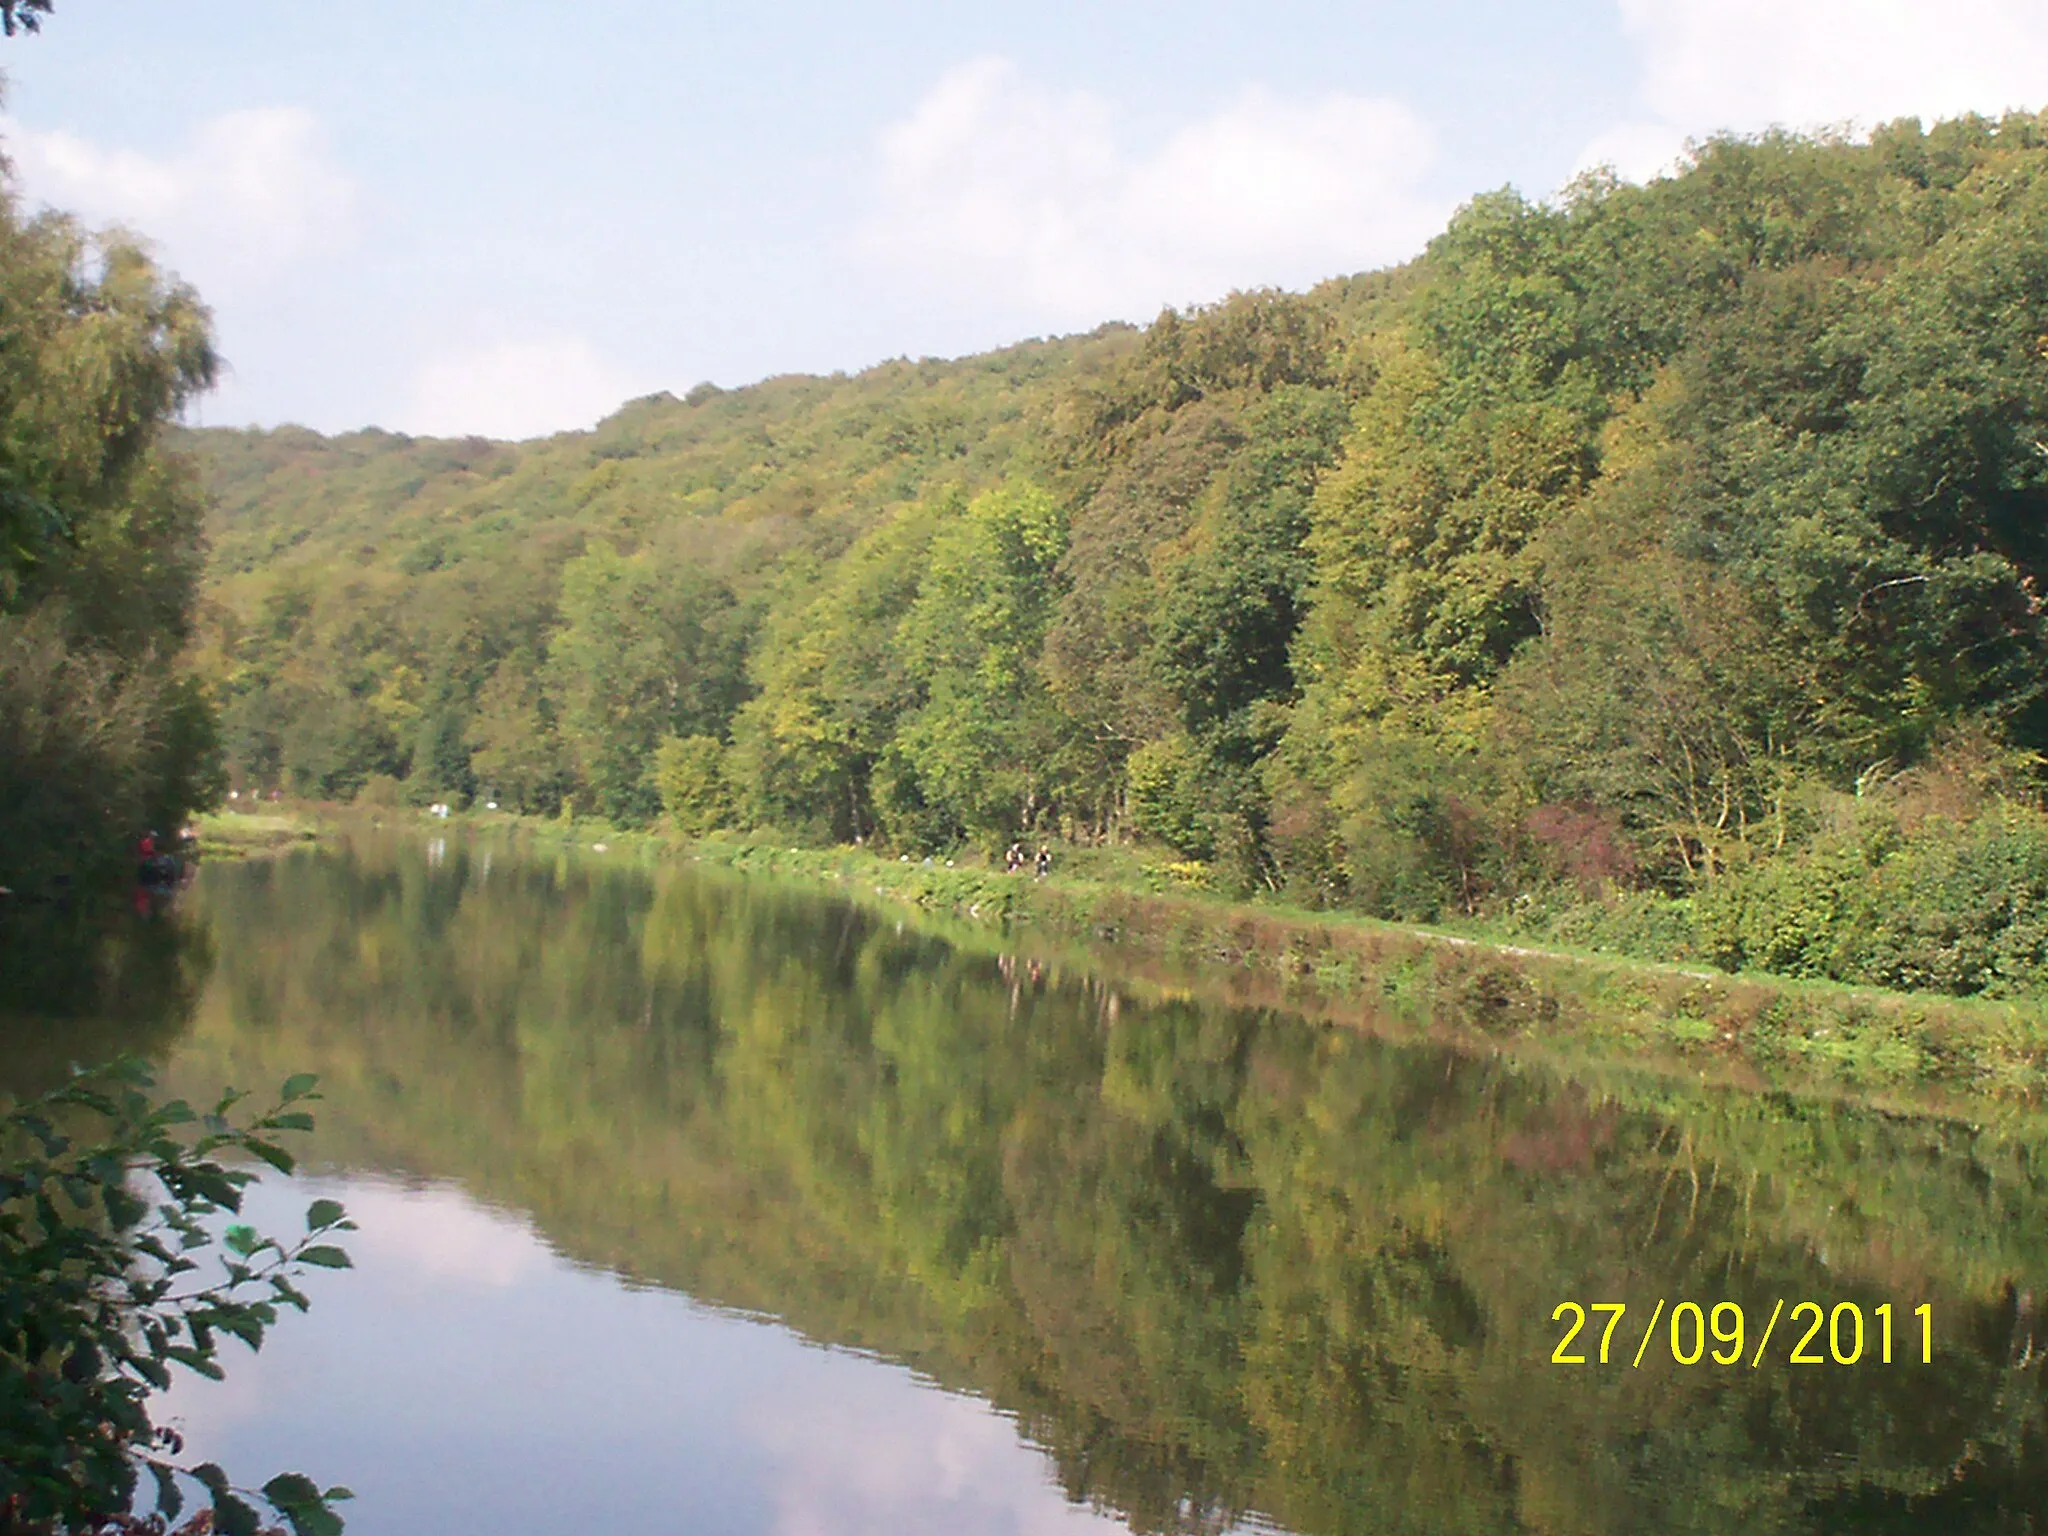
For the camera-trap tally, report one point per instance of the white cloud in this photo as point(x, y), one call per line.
point(1826, 61)
point(515, 389)
point(1637, 151)
point(252, 193)
point(440, 1237)
point(876, 1457)
point(1747, 65)
point(999, 189)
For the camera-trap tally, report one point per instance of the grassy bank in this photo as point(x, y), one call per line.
point(253, 834)
point(1761, 1032)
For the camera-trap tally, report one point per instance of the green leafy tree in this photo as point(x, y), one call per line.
point(1169, 795)
point(1099, 659)
point(516, 756)
point(971, 759)
point(832, 684)
point(691, 775)
point(642, 653)
point(1235, 588)
point(99, 549)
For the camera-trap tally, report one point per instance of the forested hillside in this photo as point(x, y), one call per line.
point(1660, 567)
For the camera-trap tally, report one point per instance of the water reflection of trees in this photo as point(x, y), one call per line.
point(1215, 1262)
point(79, 985)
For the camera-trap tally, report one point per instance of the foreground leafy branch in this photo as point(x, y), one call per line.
point(115, 1266)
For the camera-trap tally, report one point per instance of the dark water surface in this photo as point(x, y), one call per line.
point(695, 1204)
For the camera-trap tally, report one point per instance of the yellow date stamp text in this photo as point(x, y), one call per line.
point(1721, 1333)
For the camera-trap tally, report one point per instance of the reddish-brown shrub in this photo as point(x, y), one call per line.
point(1584, 844)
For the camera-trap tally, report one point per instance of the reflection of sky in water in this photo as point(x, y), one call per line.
point(463, 1377)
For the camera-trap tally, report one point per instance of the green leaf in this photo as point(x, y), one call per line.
point(248, 1329)
point(234, 1517)
point(211, 1478)
point(289, 1488)
point(313, 1520)
point(170, 1499)
point(325, 1257)
point(299, 1084)
point(242, 1239)
point(215, 1184)
point(272, 1154)
point(123, 1209)
point(323, 1213)
point(296, 1497)
point(193, 1360)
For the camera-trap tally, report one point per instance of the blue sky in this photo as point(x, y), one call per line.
point(507, 217)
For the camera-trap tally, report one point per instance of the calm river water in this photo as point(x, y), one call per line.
point(696, 1204)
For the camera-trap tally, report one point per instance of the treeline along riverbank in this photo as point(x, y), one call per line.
point(1656, 570)
point(1135, 928)
point(1403, 982)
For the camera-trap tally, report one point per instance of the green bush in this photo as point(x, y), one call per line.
point(382, 792)
point(1950, 906)
point(1645, 925)
point(1792, 916)
point(92, 753)
point(109, 1202)
point(1963, 909)
point(696, 793)
point(1168, 798)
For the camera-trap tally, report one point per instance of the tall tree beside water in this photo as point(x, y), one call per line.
point(100, 551)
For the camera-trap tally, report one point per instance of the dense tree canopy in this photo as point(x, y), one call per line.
point(100, 550)
point(1613, 550)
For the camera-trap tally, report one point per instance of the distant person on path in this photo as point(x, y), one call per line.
point(1044, 861)
point(1014, 859)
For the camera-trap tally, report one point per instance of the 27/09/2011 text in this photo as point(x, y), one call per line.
point(1697, 1334)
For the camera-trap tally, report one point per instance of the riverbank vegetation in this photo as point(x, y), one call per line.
point(105, 734)
point(1658, 570)
point(1408, 982)
point(252, 834)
